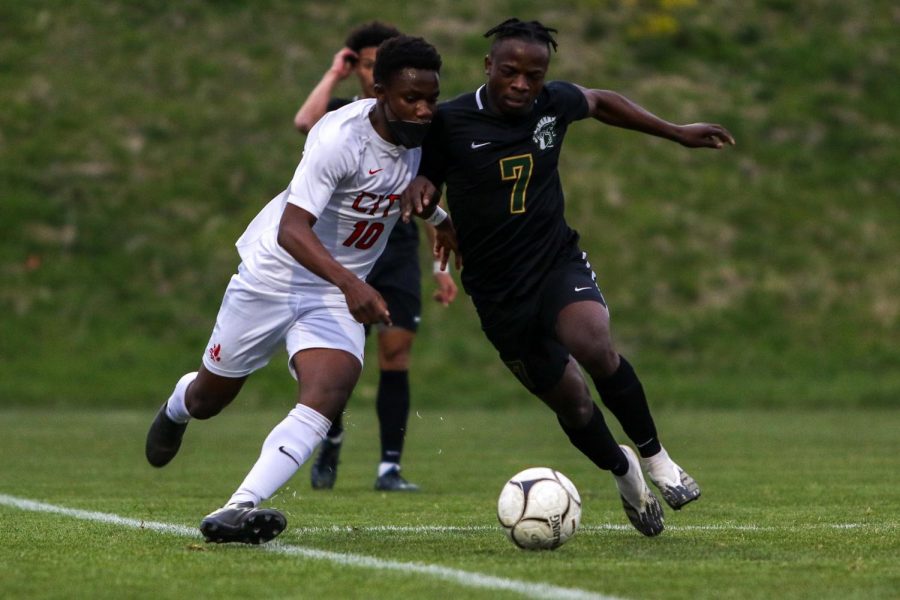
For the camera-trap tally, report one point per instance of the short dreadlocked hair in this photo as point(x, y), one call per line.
point(370, 35)
point(532, 31)
point(404, 52)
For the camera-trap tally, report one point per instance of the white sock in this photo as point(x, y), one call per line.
point(659, 460)
point(631, 485)
point(175, 408)
point(287, 447)
point(661, 468)
point(387, 466)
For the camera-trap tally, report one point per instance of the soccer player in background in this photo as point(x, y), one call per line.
point(396, 276)
point(496, 150)
point(301, 283)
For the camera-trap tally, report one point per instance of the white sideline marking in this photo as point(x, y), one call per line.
point(457, 576)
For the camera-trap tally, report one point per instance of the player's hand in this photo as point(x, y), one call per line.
point(416, 197)
point(445, 243)
point(446, 288)
point(704, 135)
point(344, 62)
point(366, 304)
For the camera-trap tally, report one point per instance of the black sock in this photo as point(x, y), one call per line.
point(337, 428)
point(392, 406)
point(623, 394)
point(597, 443)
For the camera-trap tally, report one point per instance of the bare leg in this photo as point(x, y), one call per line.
point(583, 422)
point(201, 395)
point(583, 327)
point(209, 393)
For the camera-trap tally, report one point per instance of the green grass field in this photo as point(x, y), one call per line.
point(796, 504)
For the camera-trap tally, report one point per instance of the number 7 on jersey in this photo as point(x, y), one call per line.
point(517, 169)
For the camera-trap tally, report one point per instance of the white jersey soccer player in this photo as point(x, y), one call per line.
point(350, 179)
point(301, 283)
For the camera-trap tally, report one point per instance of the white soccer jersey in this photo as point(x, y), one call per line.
point(351, 179)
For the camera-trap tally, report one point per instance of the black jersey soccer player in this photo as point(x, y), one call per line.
point(496, 150)
point(396, 275)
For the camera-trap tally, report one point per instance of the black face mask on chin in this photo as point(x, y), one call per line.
point(409, 134)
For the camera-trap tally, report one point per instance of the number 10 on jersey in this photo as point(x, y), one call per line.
point(365, 234)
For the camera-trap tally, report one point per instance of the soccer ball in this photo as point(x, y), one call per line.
point(539, 509)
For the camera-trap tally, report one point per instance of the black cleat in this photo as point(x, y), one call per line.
point(163, 439)
point(242, 523)
point(324, 470)
point(393, 482)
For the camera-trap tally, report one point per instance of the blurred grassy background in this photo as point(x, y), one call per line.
point(138, 139)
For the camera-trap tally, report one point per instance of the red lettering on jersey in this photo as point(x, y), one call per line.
point(391, 198)
point(360, 204)
point(357, 204)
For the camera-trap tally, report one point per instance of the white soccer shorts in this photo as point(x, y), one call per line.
point(255, 319)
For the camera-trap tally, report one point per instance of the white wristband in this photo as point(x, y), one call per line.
point(437, 217)
point(436, 268)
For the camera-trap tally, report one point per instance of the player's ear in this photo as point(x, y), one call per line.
point(379, 90)
point(487, 64)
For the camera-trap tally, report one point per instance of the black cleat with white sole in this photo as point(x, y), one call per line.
point(242, 523)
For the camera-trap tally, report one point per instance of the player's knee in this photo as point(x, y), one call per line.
point(395, 356)
point(601, 361)
point(609, 361)
point(395, 362)
point(593, 348)
point(577, 413)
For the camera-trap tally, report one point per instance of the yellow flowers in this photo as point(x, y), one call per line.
point(655, 19)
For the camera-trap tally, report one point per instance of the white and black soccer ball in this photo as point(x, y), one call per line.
point(539, 508)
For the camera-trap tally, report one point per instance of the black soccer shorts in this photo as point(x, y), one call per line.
point(523, 330)
point(398, 278)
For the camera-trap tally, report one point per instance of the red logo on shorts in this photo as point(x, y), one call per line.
point(214, 352)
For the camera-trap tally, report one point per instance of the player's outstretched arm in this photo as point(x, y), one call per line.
point(316, 104)
point(615, 109)
point(296, 236)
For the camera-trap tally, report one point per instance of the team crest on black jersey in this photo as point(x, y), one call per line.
point(545, 133)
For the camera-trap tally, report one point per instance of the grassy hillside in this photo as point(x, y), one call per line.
point(138, 139)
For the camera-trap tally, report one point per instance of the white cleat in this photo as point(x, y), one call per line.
point(640, 504)
point(677, 487)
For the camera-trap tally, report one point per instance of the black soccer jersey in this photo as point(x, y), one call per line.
point(503, 187)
